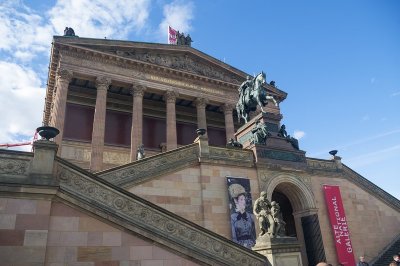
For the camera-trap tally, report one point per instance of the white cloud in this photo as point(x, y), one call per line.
point(298, 134)
point(22, 99)
point(99, 18)
point(25, 33)
point(394, 94)
point(178, 15)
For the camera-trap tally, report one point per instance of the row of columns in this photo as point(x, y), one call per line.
point(102, 84)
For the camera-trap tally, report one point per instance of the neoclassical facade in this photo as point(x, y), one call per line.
point(85, 199)
point(165, 92)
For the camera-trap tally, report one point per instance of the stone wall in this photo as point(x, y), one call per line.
point(41, 232)
point(24, 228)
point(372, 223)
point(198, 194)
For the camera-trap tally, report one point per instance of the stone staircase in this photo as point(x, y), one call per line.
point(153, 166)
point(135, 214)
point(160, 164)
point(44, 173)
point(386, 256)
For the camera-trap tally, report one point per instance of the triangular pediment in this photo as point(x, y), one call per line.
point(180, 58)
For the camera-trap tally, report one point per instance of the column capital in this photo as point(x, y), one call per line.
point(170, 96)
point(227, 108)
point(64, 75)
point(201, 102)
point(138, 90)
point(103, 82)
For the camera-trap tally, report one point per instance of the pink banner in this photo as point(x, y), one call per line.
point(340, 228)
point(171, 35)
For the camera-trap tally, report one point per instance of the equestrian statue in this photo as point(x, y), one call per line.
point(251, 94)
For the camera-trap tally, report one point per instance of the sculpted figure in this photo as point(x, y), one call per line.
point(140, 152)
point(244, 89)
point(188, 40)
point(260, 133)
point(282, 132)
point(234, 143)
point(277, 215)
point(262, 210)
point(69, 32)
point(252, 94)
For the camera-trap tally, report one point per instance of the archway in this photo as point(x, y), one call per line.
point(300, 215)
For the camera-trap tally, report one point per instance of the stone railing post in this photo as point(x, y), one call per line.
point(43, 158)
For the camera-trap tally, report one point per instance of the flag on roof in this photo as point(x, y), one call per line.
point(171, 35)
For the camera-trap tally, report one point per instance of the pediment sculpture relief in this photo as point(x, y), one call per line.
point(180, 62)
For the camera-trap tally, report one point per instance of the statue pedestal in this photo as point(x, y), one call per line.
point(280, 251)
point(277, 151)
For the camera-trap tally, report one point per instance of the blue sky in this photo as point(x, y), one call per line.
point(339, 62)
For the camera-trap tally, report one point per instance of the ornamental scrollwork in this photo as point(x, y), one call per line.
point(14, 167)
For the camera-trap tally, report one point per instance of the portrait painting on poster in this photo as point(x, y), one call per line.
point(241, 206)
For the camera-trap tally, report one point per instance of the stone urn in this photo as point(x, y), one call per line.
point(48, 132)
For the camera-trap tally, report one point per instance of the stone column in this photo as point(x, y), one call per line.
point(99, 122)
point(201, 104)
point(170, 99)
point(137, 119)
point(64, 77)
point(229, 127)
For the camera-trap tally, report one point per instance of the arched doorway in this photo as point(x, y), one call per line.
point(294, 195)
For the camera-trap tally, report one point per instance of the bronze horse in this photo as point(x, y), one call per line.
point(256, 96)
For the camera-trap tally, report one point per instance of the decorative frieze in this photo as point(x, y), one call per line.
point(180, 62)
point(242, 156)
point(321, 165)
point(279, 155)
point(14, 167)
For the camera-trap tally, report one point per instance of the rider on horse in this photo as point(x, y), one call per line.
point(244, 89)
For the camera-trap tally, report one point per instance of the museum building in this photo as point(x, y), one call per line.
point(85, 198)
